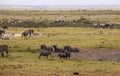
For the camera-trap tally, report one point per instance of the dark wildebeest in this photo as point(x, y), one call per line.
point(5, 27)
point(27, 33)
point(46, 48)
point(44, 53)
point(102, 25)
point(4, 48)
point(49, 49)
point(97, 25)
point(56, 49)
point(30, 31)
point(107, 26)
point(70, 49)
point(75, 50)
point(58, 21)
point(64, 55)
point(43, 47)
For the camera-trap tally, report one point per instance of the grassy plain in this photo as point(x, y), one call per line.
point(23, 59)
point(82, 38)
point(28, 64)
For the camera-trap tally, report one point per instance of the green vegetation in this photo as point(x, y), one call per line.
point(48, 18)
point(23, 59)
point(82, 38)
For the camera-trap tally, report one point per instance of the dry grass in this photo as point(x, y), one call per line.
point(28, 64)
point(82, 38)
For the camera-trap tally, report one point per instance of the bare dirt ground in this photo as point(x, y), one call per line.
point(96, 55)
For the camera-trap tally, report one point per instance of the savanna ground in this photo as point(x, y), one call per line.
point(99, 48)
point(23, 59)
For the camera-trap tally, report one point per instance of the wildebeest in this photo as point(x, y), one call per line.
point(70, 49)
point(58, 21)
point(43, 47)
point(4, 48)
point(64, 55)
point(107, 26)
point(49, 49)
point(27, 33)
point(102, 25)
point(44, 53)
point(97, 25)
point(30, 32)
point(46, 48)
point(75, 21)
point(56, 49)
point(5, 27)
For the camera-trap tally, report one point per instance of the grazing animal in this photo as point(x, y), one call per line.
point(25, 34)
point(99, 25)
point(30, 32)
point(56, 49)
point(75, 50)
point(104, 25)
point(70, 49)
point(46, 48)
point(108, 26)
point(5, 27)
point(49, 49)
point(43, 47)
point(64, 55)
point(45, 53)
point(4, 48)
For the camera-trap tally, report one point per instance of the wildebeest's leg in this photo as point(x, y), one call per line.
point(25, 38)
point(6, 53)
point(30, 34)
point(22, 37)
point(39, 56)
point(69, 57)
point(60, 57)
point(47, 57)
point(2, 53)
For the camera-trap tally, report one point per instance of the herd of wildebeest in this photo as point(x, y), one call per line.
point(46, 51)
point(64, 52)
